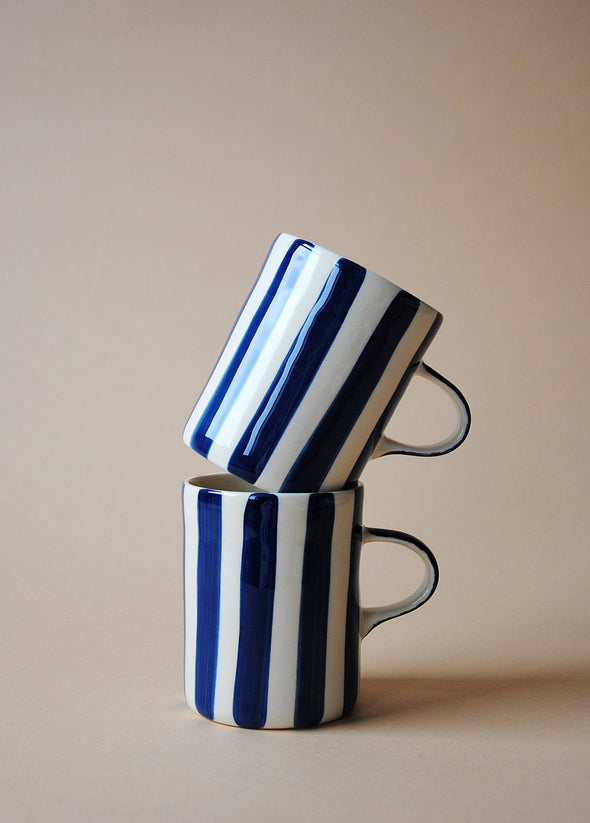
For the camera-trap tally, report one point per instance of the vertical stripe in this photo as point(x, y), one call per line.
point(339, 582)
point(232, 522)
point(208, 585)
point(189, 510)
point(318, 454)
point(352, 642)
point(200, 439)
point(282, 675)
point(297, 371)
point(257, 587)
point(313, 617)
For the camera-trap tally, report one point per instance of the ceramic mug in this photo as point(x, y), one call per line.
point(312, 371)
point(272, 617)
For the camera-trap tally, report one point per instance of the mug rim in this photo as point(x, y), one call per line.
point(230, 484)
point(316, 248)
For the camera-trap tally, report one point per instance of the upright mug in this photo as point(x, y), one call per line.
point(273, 622)
point(312, 372)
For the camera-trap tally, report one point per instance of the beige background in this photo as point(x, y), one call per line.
point(151, 151)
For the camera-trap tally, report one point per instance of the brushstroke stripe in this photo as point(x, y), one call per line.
point(200, 441)
point(297, 295)
point(232, 522)
point(352, 641)
point(257, 588)
point(282, 674)
point(339, 582)
point(297, 371)
point(259, 289)
point(275, 334)
point(364, 314)
point(208, 585)
point(329, 437)
point(313, 614)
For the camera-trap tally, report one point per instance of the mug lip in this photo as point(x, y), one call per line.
point(229, 484)
point(316, 248)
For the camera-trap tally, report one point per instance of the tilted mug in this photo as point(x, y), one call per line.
point(273, 622)
point(312, 371)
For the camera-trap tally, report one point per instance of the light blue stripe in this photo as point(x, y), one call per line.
point(256, 338)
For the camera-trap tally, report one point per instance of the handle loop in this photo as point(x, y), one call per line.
point(373, 616)
point(387, 445)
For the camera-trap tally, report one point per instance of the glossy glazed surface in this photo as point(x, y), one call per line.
point(312, 371)
point(272, 617)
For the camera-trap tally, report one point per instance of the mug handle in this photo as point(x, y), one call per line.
point(388, 446)
point(374, 615)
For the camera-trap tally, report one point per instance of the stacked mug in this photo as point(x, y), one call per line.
point(296, 406)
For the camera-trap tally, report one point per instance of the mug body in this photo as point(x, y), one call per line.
point(271, 603)
point(311, 373)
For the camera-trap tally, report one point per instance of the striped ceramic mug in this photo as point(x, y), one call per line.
point(312, 371)
point(272, 617)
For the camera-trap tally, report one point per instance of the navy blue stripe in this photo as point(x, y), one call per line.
point(208, 584)
point(353, 638)
point(297, 371)
point(375, 436)
point(257, 588)
point(322, 448)
point(313, 614)
point(200, 441)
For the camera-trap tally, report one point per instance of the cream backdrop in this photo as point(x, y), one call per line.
point(151, 151)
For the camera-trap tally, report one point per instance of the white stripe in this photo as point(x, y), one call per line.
point(282, 678)
point(278, 251)
point(232, 519)
point(189, 501)
point(369, 306)
point(236, 410)
point(393, 373)
point(336, 634)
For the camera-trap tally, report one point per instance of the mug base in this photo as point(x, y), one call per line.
point(273, 724)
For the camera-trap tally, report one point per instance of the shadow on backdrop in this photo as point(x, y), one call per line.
point(547, 702)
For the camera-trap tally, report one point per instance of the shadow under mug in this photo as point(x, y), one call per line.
point(312, 372)
point(273, 622)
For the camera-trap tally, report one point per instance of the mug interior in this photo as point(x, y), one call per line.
point(225, 482)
